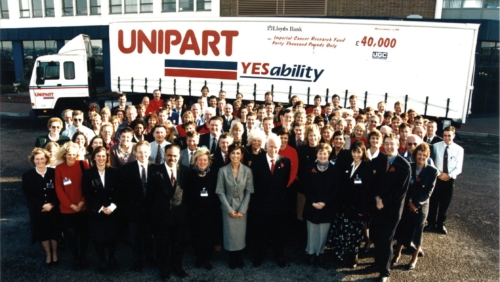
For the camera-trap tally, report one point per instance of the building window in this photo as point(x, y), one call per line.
point(8, 75)
point(168, 6)
point(491, 4)
point(146, 6)
point(130, 6)
point(81, 8)
point(281, 8)
point(95, 7)
point(4, 9)
point(49, 8)
point(24, 8)
point(185, 5)
point(458, 4)
point(36, 8)
point(68, 8)
point(115, 6)
point(203, 5)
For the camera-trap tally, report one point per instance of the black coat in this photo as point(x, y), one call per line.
point(343, 159)
point(97, 195)
point(320, 186)
point(356, 198)
point(421, 187)
point(132, 192)
point(391, 188)
point(44, 225)
point(159, 195)
point(307, 157)
point(379, 166)
point(270, 189)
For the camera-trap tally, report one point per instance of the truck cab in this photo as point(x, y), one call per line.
point(63, 81)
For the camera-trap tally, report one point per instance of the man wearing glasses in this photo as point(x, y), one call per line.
point(78, 126)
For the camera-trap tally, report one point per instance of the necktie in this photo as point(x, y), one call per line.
point(272, 166)
point(143, 180)
point(214, 145)
point(158, 155)
point(191, 158)
point(299, 142)
point(226, 159)
point(428, 140)
point(172, 178)
point(388, 165)
point(445, 160)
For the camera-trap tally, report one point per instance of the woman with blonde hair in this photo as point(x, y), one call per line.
point(39, 188)
point(238, 132)
point(255, 146)
point(105, 114)
point(52, 147)
point(68, 181)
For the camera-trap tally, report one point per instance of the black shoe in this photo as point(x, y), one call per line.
point(164, 273)
point(84, 263)
point(257, 261)
point(151, 261)
point(137, 266)
point(54, 263)
point(320, 259)
point(180, 272)
point(429, 227)
point(442, 230)
point(102, 267)
point(48, 264)
point(383, 279)
point(281, 262)
point(198, 263)
point(310, 259)
point(421, 253)
point(208, 265)
point(112, 263)
point(239, 262)
point(76, 264)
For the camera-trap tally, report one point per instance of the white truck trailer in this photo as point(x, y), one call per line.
point(428, 66)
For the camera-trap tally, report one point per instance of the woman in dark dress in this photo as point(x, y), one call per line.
point(204, 208)
point(99, 189)
point(378, 160)
point(43, 205)
point(340, 156)
point(411, 226)
point(320, 186)
point(307, 157)
point(346, 232)
point(255, 146)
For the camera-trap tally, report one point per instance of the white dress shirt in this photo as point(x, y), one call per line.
point(455, 158)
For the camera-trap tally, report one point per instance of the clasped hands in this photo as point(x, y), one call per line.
point(380, 205)
point(234, 214)
point(318, 205)
point(77, 208)
point(444, 176)
point(47, 207)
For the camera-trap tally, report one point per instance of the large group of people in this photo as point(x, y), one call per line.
point(240, 176)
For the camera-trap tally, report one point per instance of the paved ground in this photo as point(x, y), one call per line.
point(469, 253)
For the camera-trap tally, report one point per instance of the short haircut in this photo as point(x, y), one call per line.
point(283, 131)
point(204, 87)
point(77, 113)
point(392, 136)
point(374, 132)
point(127, 130)
point(324, 147)
point(52, 120)
point(404, 125)
point(142, 143)
point(450, 128)
point(423, 147)
point(192, 134)
point(353, 96)
point(159, 126)
point(359, 145)
point(275, 138)
point(217, 118)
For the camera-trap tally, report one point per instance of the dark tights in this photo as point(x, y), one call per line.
point(101, 246)
point(77, 241)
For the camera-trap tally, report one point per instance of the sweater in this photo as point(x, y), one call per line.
point(70, 194)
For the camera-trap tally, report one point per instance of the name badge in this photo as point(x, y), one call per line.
point(357, 180)
point(50, 185)
point(204, 193)
point(66, 181)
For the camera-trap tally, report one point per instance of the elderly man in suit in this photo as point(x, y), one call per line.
point(271, 174)
point(134, 178)
point(389, 196)
point(167, 210)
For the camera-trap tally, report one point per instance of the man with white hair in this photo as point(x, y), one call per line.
point(196, 110)
point(412, 141)
point(271, 174)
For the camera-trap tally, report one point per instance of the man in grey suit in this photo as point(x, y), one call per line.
point(187, 155)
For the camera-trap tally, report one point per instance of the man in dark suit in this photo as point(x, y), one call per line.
point(164, 200)
point(286, 121)
point(389, 196)
point(267, 218)
point(227, 118)
point(187, 155)
point(297, 137)
point(431, 137)
point(211, 140)
point(134, 178)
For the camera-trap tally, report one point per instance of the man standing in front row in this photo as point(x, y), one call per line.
point(267, 218)
point(389, 197)
point(449, 158)
point(168, 212)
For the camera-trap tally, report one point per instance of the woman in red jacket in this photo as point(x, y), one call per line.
point(68, 180)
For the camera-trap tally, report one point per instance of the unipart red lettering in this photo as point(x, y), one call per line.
point(44, 94)
point(160, 41)
point(143, 39)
